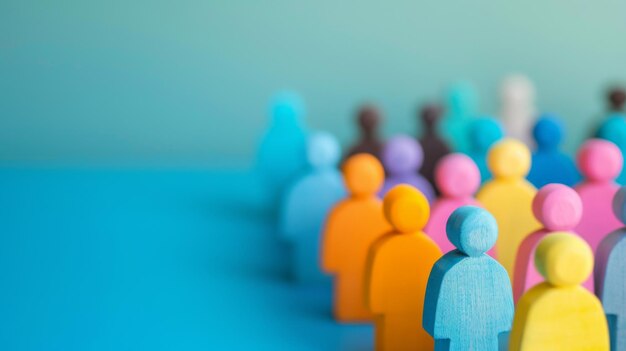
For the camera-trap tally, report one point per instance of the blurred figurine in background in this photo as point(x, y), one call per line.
point(402, 157)
point(461, 109)
point(369, 142)
point(282, 154)
point(613, 127)
point(433, 145)
point(518, 106)
point(307, 203)
point(482, 134)
point(550, 165)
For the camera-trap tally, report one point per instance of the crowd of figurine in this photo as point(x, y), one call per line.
point(462, 252)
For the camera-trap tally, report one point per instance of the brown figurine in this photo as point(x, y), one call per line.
point(616, 98)
point(433, 144)
point(368, 119)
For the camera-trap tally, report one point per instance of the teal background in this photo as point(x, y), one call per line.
point(185, 83)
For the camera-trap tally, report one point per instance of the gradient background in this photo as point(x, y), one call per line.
point(185, 83)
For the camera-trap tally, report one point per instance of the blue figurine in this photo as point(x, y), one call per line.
point(610, 275)
point(482, 133)
point(402, 157)
point(469, 301)
point(462, 107)
point(549, 164)
point(282, 151)
point(613, 129)
point(307, 202)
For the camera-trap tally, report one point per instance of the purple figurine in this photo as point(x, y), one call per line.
point(402, 157)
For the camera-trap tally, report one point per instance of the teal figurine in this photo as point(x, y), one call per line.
point(461, 108)
point(549, 163)
point(282, 152)
point(610, 275)
point(306, 204)
point(482, 134)
point(469, 302)
point(613, 129)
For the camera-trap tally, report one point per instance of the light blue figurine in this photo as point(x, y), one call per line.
point(613, 129)
point(402, 157)
point(482, 133)
point(281, 155)
point(549, 164)
point(610, 275)
point(307, 202)
point(469, 302)
point(462, 108)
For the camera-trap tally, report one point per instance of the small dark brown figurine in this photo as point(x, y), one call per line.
point(433, 144)
point(368, 119)
point(616, 98)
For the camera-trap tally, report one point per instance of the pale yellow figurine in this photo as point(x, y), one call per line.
point(559, 314)
point(508, 197)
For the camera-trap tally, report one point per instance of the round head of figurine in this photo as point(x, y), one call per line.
point(406, 209)
point(509, 158)
point(363, 175)
point(564, 259)
point(368, 119)
point(462, 100)
point(558, 207)
point(616, 98)
point(472, 230)
point(484, 132)
point(619, 204)
point(599, 160)
point(287, 108)
point(323, 150)
point(548, 132)
point(402, 154)
point(456, 175)
point(430, 114)
point(517, 89)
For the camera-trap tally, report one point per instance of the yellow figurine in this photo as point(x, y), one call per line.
point(508, 197)
point(397, 271)
point(559, 314)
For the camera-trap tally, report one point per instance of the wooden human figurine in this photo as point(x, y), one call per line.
point(457, 178)
point(610, 275)
point(307, 204)
point(558, 208)
point(482, 134)
point(282, 155)
point(599, 161)
point(461, 109)
point(517, 94)
point(613, 129)
point(397, 272)
point(559, 314)
point(369, 142)
point(351, 228)
point(433, 145)
point(469, 304)
point(508, 196)
point(402, 156)
point(617, 98)
point(549, 164)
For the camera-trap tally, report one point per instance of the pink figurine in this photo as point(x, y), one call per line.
point(457, 178)
point(600, 162)
point(558, 208)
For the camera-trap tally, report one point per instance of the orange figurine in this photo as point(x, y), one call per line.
point(352, 226)
point(398, 267)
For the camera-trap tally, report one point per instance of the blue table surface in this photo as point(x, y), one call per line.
point(152, 260)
